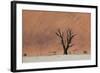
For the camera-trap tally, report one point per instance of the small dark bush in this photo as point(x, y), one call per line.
point(25, 54)
point(85, 52)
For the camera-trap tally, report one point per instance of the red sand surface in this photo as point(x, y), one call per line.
point(39, 29)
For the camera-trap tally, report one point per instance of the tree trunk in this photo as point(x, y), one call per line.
point(65, 52)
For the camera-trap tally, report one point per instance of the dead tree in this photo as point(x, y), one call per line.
point(66, 41)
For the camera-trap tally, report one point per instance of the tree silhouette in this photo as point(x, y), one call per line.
point(67, 41)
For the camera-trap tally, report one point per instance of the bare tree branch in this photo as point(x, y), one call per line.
point(61, 35)
point(66, 43)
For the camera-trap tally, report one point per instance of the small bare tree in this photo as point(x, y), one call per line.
point(67, 41)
